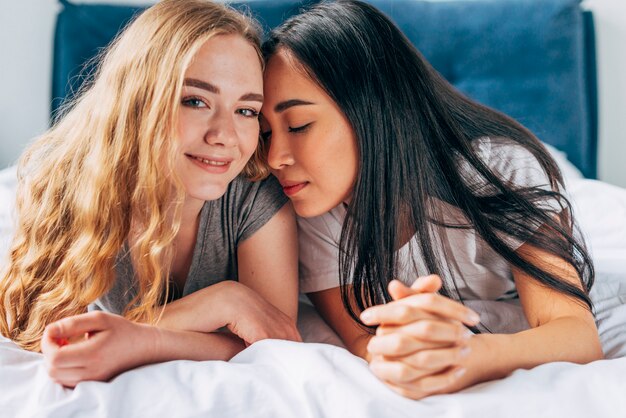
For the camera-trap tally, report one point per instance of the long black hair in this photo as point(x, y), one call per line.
point(413, 131)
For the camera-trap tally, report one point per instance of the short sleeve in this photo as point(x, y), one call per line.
point(516, 166)
point(318, 239)
point(256, 203)
point(519, 169)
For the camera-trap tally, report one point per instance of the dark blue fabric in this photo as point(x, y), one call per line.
point(531, 59)
point(81, 32)
point(590, 147)
point(523, 57)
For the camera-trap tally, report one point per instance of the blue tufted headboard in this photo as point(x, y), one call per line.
point(532, 59)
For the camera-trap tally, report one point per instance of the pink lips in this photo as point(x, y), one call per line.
point(292, 189)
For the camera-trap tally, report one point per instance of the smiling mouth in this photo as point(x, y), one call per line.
point(210, 162)
point(210, 165)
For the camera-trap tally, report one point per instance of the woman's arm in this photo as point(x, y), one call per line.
point(115, 344)
point(330, 306)
point(267, 270)
point(268, 262)
point(230, 305)
point(263, 304)
point(105, 345)
point(556, 322)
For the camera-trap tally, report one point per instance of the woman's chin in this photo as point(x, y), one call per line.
point(309, 209)
point(213, 192)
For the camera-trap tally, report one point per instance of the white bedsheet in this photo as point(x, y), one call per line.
point(284, 379)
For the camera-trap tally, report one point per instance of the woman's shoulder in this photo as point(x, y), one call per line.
point(494, 151)
point(242, 189)
point(511, 161)
point(247, 205)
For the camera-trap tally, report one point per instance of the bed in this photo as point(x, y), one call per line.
point(548, 84)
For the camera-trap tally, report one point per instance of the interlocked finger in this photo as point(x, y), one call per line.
point(440, 330)
point(412, 308)
point(385, 329)
point(435, 359)
point(399, 344)
point(396, 371)
point(429, 384)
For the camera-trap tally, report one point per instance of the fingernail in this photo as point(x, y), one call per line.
point(473, 317)
point(459, 373)
point(465, 351)
point(366, 316)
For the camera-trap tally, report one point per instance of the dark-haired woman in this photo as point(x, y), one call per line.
point(396, 175)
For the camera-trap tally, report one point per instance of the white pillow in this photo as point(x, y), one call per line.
point(568, 169)
point(8, 177)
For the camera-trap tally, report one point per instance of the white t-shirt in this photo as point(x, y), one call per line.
point(483, 278)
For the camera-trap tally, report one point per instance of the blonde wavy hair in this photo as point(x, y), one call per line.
point(104, 173)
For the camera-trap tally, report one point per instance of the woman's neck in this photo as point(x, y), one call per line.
point(190, 212)
point(189, 215)
point(185, 242)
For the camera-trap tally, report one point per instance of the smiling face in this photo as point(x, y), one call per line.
point(312, 147)
point(218, 126)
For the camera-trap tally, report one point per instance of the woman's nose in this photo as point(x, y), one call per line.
point(221, 130)
point(279, 154)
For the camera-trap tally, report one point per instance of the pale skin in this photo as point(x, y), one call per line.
point(422, 345)
point(218, 132)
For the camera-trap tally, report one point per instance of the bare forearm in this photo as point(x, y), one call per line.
point(186, 331)
point(358, 346)
point(116, 344)
point(202, 311)
point(564, 339)
point(187, 345)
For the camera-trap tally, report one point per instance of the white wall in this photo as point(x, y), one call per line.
point(26, 29)
point(610, 19)
point(26, 37)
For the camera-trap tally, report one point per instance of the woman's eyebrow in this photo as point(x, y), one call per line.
point(252, 97)
point(194, 82)
point(282, 106)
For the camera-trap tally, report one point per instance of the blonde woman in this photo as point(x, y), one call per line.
point(134, 199)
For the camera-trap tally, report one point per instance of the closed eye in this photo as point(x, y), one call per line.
point(300, 129)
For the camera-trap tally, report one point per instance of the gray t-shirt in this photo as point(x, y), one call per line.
point(224, 223)
point(485, 280)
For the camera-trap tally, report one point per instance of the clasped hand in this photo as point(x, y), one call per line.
point(421, 343)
